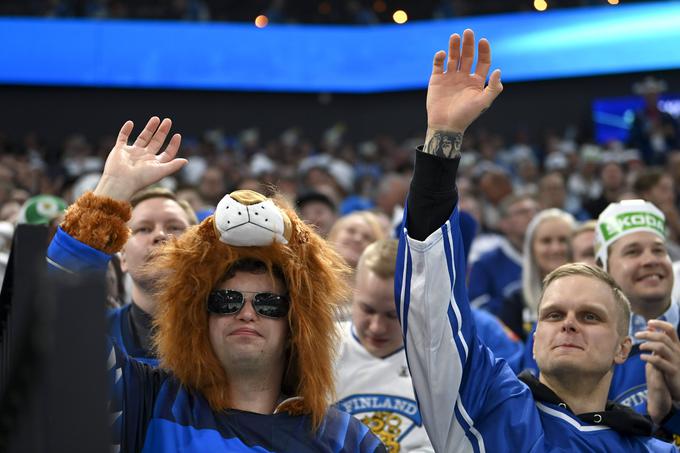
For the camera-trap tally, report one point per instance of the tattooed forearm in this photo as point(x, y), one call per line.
point(443, 144)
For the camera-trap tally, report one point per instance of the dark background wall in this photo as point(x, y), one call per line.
point(57, 112)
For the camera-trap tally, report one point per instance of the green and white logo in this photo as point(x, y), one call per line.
point(614, 226)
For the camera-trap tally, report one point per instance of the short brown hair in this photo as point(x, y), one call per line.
point(585, 270)
point(162, 192)
point(380, 258)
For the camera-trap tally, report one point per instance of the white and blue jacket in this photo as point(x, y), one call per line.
point(469, 400)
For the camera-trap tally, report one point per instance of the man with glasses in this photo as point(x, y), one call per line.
point(245, 320)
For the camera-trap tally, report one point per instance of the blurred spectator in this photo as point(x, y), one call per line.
point(351, 234)
point(498, 272)
point(584, 183)
point(213, 186)
point(654, 133)
point(494, 184)
point(583, 243)
point(656, 186)
point(391, 195)
point(552, 193)
point(43, 210)
point(613, 185)
point(318, 210)
point(546, 247)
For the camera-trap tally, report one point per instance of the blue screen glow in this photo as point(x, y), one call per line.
point(359, 59)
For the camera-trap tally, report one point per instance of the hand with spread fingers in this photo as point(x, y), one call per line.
point(130, 168)
point(661, 350)
point(455, 95)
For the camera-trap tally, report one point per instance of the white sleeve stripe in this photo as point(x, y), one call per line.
point(452, 271)
point(58, 266)
point(471, 427)
point(451, 260)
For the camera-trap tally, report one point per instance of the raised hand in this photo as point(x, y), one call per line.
point(662, 350)
point(455, 96)
point(130, 168)
point(659, 400)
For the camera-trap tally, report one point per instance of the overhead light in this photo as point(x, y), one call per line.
point(261, 21)
point(400, 16)
point(540, 5)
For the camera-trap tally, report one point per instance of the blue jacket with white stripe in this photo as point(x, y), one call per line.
point(469, 400)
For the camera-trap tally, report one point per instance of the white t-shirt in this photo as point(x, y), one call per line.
point(380, 394)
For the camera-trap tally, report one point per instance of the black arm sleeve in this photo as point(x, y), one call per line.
point(433, 194)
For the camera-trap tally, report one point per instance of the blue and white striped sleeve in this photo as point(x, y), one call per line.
point(456, 378)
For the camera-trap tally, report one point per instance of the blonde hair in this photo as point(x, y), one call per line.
point(380, 258)
point(586, 270)
point(369, 219)
point(588, 225)
point(531, 274)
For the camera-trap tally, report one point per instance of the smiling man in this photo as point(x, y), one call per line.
point(630, 244)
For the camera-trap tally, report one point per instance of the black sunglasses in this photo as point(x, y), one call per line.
point(230, 302)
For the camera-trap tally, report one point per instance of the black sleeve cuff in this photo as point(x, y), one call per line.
point(432, 195)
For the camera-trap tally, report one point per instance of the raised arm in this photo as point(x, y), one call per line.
point(455, 98)
point(130, 168)
point(95, 226)
point(460, 386)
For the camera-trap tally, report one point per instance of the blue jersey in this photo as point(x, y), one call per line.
point(154, 412)
point(494, 277)
point(469, 400)
point(119, 325)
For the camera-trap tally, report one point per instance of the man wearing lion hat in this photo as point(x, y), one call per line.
point(245, 326)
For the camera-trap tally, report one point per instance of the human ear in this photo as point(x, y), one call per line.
point(624, 347)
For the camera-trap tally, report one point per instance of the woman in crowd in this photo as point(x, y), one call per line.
point(547, 245)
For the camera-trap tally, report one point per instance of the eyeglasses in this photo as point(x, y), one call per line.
point(230, 302)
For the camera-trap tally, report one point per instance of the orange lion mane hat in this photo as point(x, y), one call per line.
point(194, 263)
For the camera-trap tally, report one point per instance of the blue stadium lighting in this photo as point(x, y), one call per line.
point(355, 59)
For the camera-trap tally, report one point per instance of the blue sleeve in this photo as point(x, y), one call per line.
point(68, 254)
point(482, 288)
point(469, 401)
point(492, 333)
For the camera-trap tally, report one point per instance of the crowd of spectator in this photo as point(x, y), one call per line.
point(336, 176)
point(526, 208)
